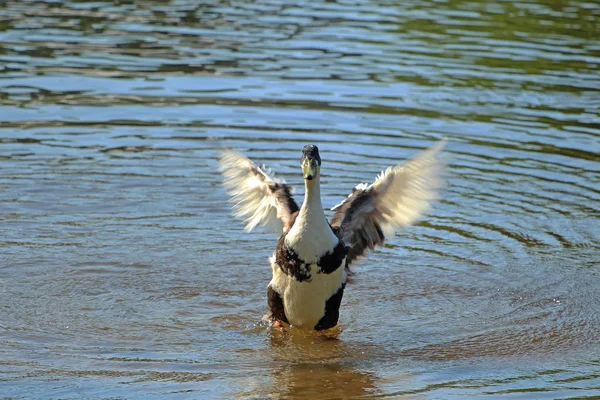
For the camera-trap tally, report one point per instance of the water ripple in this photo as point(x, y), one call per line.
point(122, 262)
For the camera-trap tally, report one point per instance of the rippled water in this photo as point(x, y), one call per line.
point(125, 276)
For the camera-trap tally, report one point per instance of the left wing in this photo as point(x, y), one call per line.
point(399, 196)
point(258, 196)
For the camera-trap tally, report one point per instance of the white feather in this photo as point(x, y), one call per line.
point(405, 192)
point(397, 198)
point(249, 187)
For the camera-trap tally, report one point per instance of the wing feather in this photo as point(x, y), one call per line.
point(397, 198)
point(258, 197)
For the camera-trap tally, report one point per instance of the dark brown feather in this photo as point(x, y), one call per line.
point(287, 208)
point(358, 240)
point(397, 198)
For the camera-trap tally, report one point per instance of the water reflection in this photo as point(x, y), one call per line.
point(310, 366)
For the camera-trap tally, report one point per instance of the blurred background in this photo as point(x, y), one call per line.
point(123, 274)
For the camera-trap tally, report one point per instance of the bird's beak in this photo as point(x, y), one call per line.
point(309, 168)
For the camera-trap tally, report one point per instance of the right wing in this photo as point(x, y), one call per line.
point(257, 196)
point(398, 197)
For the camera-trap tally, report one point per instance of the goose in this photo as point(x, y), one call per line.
point(310, 264)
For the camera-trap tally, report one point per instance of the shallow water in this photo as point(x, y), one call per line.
point(125, 276)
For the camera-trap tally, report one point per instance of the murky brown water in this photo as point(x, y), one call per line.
point(123, 274)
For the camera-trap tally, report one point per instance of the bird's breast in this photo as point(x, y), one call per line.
point(291, 262)
point(311, 236)
point(304, 301)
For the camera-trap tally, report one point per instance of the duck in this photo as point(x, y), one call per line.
point(311, 262)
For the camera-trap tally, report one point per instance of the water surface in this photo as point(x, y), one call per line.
point(125, 276)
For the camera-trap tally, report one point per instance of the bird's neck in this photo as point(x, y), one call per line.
point(312, 197)
point(311, 236)
point(311, 214)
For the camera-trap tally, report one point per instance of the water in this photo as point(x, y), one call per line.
point(125, 276)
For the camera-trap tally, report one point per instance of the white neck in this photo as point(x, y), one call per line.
point(311, 235)
point(312, 196)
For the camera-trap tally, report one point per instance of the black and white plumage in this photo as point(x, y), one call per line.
point(312, 256)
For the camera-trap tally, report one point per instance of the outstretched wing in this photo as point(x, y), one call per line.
point(257, 196)
point(399, 196)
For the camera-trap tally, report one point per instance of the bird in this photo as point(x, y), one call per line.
point(311, 262)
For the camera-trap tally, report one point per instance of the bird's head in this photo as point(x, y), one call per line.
point(311, 162)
